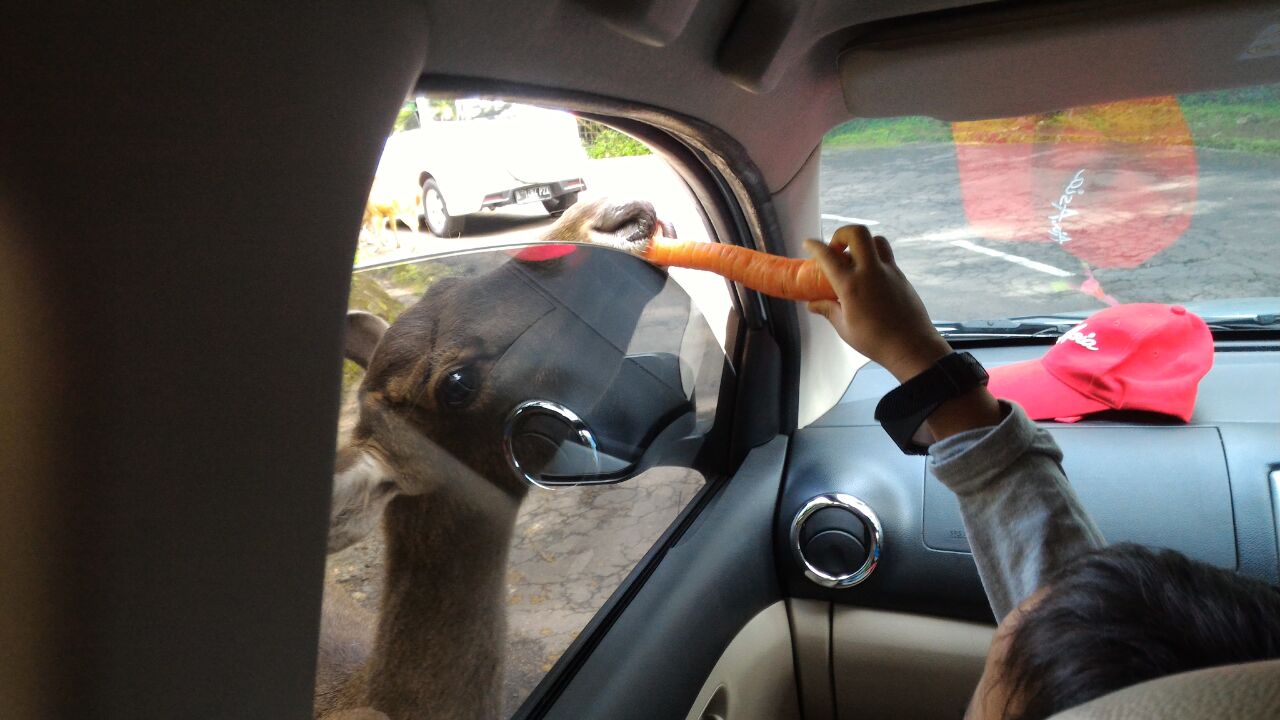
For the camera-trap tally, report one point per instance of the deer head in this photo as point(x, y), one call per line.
point(442, 381)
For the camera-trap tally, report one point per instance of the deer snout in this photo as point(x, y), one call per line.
point(627, 225)
point(630, 221)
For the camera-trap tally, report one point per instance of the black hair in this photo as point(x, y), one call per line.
point(1126, 614)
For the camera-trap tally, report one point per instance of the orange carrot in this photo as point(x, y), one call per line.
point(781, 277)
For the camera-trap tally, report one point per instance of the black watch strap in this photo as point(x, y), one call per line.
point(904, 409)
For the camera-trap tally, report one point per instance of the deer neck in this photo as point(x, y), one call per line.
point(442, 624)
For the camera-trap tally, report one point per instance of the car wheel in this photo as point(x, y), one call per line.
point(439, 221)
point(557, 205)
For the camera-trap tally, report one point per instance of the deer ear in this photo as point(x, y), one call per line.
point(364, 330)
point(362, 487)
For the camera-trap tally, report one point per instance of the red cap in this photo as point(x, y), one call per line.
point(539, 253)
point(1140, 356)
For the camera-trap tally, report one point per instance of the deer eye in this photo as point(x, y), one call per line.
point(459, 386)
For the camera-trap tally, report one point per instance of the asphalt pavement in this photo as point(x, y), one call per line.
point(914, 195)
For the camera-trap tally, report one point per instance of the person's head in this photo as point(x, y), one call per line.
point(1117, 617)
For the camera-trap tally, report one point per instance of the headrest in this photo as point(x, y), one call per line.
point(1243, 692)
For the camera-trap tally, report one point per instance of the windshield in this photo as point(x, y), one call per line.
point(1169, 199)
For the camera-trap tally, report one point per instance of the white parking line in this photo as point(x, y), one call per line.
point(1015, 259)
point(947, 235)
point(854, 220)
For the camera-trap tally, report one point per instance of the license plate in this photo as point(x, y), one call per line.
point(539, 192)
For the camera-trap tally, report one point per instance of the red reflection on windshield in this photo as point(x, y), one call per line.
point(1114, 184)
point(539, 253)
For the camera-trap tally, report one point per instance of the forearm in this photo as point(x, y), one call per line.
point(977, 408)
point(1022, 518)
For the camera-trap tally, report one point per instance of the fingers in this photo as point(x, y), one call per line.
point(832, 261)
point(883, 250)
point(839, 245)
point(817, 248)
point(858, 239)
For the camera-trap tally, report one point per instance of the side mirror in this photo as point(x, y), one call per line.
point(645, 415)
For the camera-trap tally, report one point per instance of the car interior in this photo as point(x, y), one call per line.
point(180, 191)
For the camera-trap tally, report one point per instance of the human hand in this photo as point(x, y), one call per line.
point(877, 311)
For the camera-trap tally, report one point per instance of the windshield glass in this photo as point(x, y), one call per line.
point(1168, 199)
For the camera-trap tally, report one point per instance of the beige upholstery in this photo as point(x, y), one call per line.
point(1244, 691)
point(755, 676)
point(904, 666)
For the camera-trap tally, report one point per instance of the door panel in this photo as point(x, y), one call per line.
point(811, 628)
point(651, 662)
point(895, 665)
point(857, 662)
point(755, 678)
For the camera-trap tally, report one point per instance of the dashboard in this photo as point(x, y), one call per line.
point(1209, 488)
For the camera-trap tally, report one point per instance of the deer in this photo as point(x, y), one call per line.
point(424, 461)
point(388, 204)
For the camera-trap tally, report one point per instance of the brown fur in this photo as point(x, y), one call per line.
point(386, 206)
point(450, 500)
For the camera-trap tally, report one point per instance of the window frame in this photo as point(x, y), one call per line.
point(730, 194)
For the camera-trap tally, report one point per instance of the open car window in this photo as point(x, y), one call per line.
point(581, 383)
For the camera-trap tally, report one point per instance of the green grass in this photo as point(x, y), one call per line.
point(352, 374)
point(887, 132)
point(1244, 120)
point(368, 295)
point(610, 143)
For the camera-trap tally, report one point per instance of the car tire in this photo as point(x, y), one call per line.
point(557, 205)
point(439, 222)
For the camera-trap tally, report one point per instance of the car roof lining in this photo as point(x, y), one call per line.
point(775, 75)
point(576, 47)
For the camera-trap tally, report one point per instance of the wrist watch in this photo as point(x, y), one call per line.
point(904, 409)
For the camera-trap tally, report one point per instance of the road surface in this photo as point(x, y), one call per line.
point(913, 193)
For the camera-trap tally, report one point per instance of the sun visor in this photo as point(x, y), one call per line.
point(998, 66)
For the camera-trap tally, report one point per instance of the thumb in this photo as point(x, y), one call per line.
point(830, 309)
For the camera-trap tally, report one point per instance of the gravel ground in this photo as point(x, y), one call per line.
point(571, 550)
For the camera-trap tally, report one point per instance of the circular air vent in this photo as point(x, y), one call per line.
point(837, 539)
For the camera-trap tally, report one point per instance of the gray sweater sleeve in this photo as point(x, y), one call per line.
point(1021, 516)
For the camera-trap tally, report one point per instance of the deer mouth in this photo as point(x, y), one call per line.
point(631, 226)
